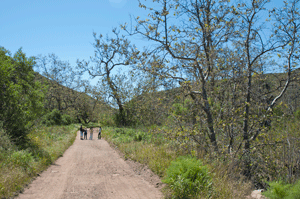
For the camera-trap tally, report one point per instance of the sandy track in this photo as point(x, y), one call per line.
point(91, 169)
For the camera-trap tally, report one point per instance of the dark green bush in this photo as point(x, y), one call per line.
point(277, 190)
point(297, 114)
point(188, 177)
point(66, 119)
point(5, 141)
point(280, 190)
point(23, 159)
point(52, 118)
point(138, 137)
point(294, 192)
point(56, 118)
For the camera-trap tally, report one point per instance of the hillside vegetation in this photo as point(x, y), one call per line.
point(62, 94)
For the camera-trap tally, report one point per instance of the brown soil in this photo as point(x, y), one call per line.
point(93, 169)
point(256, 194)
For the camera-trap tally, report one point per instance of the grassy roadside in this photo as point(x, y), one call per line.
point(153, 149)
point(141, 147)
point(44, 146)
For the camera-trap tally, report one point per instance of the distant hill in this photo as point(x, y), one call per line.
point(80, 106)
point(155, 107)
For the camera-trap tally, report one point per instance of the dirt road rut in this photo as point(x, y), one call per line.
point(90, 169)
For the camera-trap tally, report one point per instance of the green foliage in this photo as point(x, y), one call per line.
point(52, 118)
point(179, 109)
point(278, 190)
point(5, 141)
point(127, 135)
point(21, 96)
point(138, 137)
point(22, 159)
point(119, 118)
point(157, 153)
point(66, 119)
point(278, 111)
point(56, 118)
point(151, 150)
point(124, 118)
point(188, 177)
point(294, 192)
point(297, 114)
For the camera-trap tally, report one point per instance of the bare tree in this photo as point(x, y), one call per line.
point(190, 33)
point(111, 53)
point(62, 82)
point(257, 46)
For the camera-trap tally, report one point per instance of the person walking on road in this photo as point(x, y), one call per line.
point(91, 133)
point(99, 134)
point(81, 132)
point(85, 134)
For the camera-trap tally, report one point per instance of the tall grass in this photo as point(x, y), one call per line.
point(18, 165)
point(146, 148)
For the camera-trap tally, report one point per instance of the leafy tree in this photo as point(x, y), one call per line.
point(21, 96)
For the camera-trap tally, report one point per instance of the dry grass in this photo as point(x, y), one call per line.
point(229, 185)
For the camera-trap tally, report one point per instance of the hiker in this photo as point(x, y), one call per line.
point(99, 134)
point(81, 132)
point(85, 134)
point(91, 133)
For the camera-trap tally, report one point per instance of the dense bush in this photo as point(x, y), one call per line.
point(188, 177)
point(280, 190)
point(23, 160)
point(124, 135)
point(138, 137)
point(56, 118)
point(66, 119)
point(297, 114)
point(124, 118)
point(5, 142)
point(21, 96)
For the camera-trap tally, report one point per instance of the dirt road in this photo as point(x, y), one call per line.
point(92, 169)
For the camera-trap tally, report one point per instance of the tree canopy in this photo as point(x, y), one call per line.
point(21, 98)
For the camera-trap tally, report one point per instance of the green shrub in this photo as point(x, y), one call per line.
point(138, 137)
point(294, 192)
point(66, 119)
point(56, 118)
point(52, 118)
point(188, 177)
point(22, 159)
point(277, 190)
point(179, 109)
point(5, 141)
point(297, 114)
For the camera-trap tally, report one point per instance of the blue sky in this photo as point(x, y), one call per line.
point(63, 27)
